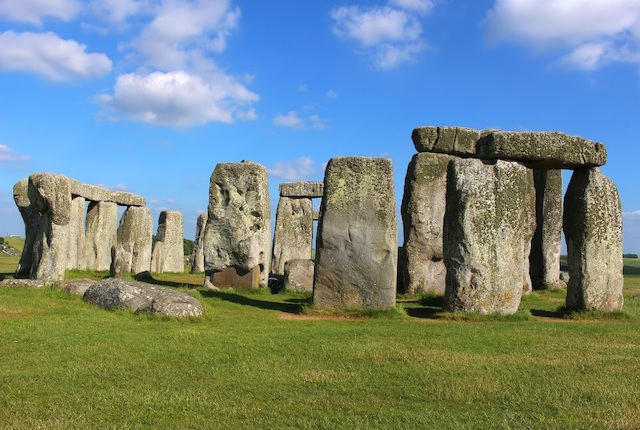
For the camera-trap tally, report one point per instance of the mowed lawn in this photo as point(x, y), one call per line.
point(255, 362)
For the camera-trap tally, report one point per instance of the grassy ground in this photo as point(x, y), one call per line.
point(255, 361)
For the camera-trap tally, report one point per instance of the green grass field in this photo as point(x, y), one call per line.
point(255, 361)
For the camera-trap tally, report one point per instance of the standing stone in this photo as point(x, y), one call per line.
point(134, 237)
point(31, 217)
point(293, 232)
point(593, 231)
point(197, 258)
point(298, 275)
point(237, 238)
point(49, 193)
point(357, 239)
point(168, 252)
point(76, 256)
point(544, 259)
point(101, 233)
point(423, 207)
point(488, 226)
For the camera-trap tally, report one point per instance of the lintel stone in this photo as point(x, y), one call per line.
point(301, 189)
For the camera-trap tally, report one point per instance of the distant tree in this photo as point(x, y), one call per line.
point(1, 240)
point(188, 246)
point(623, 255)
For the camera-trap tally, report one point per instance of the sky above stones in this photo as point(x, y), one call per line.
point(147, 96)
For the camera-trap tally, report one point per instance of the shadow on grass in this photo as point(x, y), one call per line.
point(630, 270)
point(291, 306)
point(169, 283)
point(558, 313)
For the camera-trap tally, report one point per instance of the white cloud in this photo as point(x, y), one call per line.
point(118, 11)
point(632, 214)
point(33, 11)
point(593, 32)
point(389, 35)
point(179, 98)
point(298, 169)
point(49, 55)
point(332, 94)
point(7, 155)
point(117, 187)
point(293, 120)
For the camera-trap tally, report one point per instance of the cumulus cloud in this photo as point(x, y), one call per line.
point(298, 169)
point(48, 55)
point(294, 120)
point(178, 98)
point(33, 11)
point(389, 35)
point(118, 11)
point(7, 155)
point(632, 214)
point(117, 187)
point(591, 33)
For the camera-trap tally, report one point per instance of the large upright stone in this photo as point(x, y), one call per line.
point(76, 254)
point(168, 252)
point(293, 232)
point(544, 259)
point(488, 226)
point(237, 239)
point(49, 194)
point(31, 217)
point(134, 237)
point(101, 233)
point(423, 207)
point(593, 230)
point(357, 239)
point(197, 258)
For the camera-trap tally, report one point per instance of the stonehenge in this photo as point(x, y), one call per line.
point(168, 252)
point(133, 242)
point(197, 258)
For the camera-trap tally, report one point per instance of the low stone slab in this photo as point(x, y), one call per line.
point(298, 275)
point(26, 283)
point(301, 189)
point(142, 298)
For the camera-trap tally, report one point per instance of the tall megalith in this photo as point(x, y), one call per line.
point(76, 254)
point(423, 207)
point(357, 238)
point(197, 258)
point(168, 251)
point(592, 225)
point(31, 217)
point(237, 239)
point(293, 232)
point(101, 233)
point(488, 226)
point(133, 245)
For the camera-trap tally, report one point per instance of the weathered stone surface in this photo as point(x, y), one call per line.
point(543, 150)
point(233, 277)
point(101, 233)
point(459, 141)
point(357, 238)
point(168, 252)
point(26, 283)
point(31, 217)
point(49, 194)
point(77, 287)
point(593, 230)
point(197, 258)
point(133, 244)
point(99, 194)
point(76, 254)
point(293, 232)
point(544, 260)
point(301, 189)
point(298, 275)
point(238, 230)
point(488, 226)
point(142, 298)
point(423, 207)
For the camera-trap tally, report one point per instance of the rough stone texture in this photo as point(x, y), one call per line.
point(31, 217)
point(101, 233)
point(232, 277)
point(301, 189)
point(49, 194)
point(142, 298)
point(488, 226)
point(459, 141)
point(357, 238)
point(423, 207)
point(133, 244)
point(238, 230)
point(197, 258)
point(544, 260)
point(293, 232)
point(99, 194)
point(593, 231)
point(543, 150)
point(77, 287)
point(76, 256)
point(26, 283)
point(168, 252)
point(298, 275)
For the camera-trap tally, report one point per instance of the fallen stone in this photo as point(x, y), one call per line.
point(168, 251)
point(593, 231)
point(142, 298)
point(298, 275)
point(301, 189)
point(293, 232)
point(76, 287)
point(26, 283)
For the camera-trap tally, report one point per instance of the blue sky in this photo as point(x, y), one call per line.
point(149, 95)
